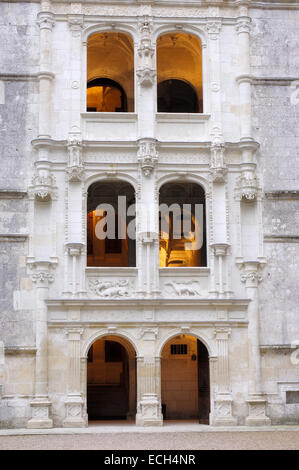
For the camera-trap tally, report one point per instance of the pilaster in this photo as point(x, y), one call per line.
point(148, 392)
point(74, 402)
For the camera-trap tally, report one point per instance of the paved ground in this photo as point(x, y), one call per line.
point(172, 436)
point(152, 441)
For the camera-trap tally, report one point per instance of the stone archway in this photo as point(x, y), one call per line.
point(185, 384)
point(111, 379)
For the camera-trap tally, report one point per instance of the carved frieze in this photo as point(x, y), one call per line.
point(185, 288)
point(111, 289)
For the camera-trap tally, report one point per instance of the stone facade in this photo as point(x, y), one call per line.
point(242, 150)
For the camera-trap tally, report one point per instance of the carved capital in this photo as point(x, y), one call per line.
point(247, 186)
point(222, 333)
point(251, 273)
point(43, 186)
point(46, 20)
point(76, 23)
point(220, 249)
point(243, 24)
point(146, 76)
point(213, 28)
point(74, 249)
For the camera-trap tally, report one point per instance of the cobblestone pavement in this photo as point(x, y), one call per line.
point(250, 440)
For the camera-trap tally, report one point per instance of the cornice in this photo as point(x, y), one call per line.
point(103, 304)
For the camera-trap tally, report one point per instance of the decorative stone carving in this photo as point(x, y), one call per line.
point(146, 72)
point(40, 415)
point(257, 411)
point(247, 187)
point(41, 273)
point(149, 411)
point(110, 289)
point(252, 276)
point(42, 277)
point(147, 155)
point(76, 23)
point(74, 412)
point(187, 288)
point(43, 187)
point(46, 20)
point(75, 169)
point(218, 168)
point(213, 28)
point(243, 24)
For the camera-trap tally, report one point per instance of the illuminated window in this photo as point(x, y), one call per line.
point(110, 73)
point(179, 73)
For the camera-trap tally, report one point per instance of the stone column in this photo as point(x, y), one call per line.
point(75, 22)
point(74, 252)
point(40, 406)
point(147, 215)
point(149, 392)
point(244, 79)
point(256, 400)
point(46, 21)
point(146, 79)
point(74, 402)
point(213, 27)
point(220, 250)
point(222, 414)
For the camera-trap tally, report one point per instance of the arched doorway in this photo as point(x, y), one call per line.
point(185, 383)
point(111, 379)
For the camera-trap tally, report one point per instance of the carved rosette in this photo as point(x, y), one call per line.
point(75, 168)
point(146, 71)
point(147, 155)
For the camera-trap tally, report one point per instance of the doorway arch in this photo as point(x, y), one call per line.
point(111, 379)
point(185, 379)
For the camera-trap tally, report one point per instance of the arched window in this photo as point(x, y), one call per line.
point(182, 225)
point(179, 73)
point(105, 95)
point(111, 224)
point(110, 72)
point(176, 96)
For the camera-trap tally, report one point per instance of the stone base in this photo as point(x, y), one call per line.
point(257, 411)
point(149, 411)
point(74, 423)
point(222, 415)
point(36, 423)
point(144, 421)
point(74, 413)
point(40, 415)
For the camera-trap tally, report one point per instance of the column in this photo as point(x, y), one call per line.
point(75, 22)
point(244, 79)
point(148, 397)
point(222, 414)
point(251, 276)
point(147, 215)
point(41, 276)
point(46, 21)
point(220, 251)
point(74, 402)
point(146, 81)
point(213, 27)
point(75, 251)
